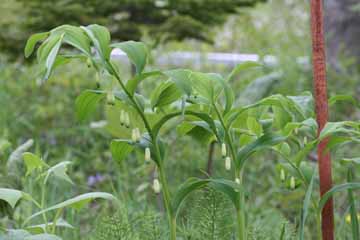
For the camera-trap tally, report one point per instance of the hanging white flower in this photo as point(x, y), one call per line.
point(147, 154)
point(223, 150)
point(156, 185)
point(228, 163)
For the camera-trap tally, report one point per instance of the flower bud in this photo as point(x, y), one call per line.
point(138, 135)
point(228, 163)
point(156, 185)
point(134, 135)
point(147, 154)
point(88, 62)
point(223, 150)
point(282, 175)
point(292, 182)
point(127, 120)
point(237, 180)
point(122, 117)
point(110, 98)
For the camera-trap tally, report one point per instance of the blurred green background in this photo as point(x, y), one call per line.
point(45, 113)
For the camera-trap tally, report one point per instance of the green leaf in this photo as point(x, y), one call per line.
point(207, 85)
point(41, 228)
point(133, 83)
point(85, 104)
point(165, 94)
point(182, 78)
point(32, 41)
point(310, 124)
point(304, 152)
point(254, 126)
point(15, 162)
point(199, 130)
point(346, 127)
point(305, 207)
point(345, 98)
point(336, 189)
point(289, 104)
point(351, 160)
point(32, 162)
point(336, 141)
point(120, 149)
point(352, 204)
point(11, 196)
point(157, 126)
point(229, 96)
point(100, 37)
point(303, 104)
point(245, 139)
point(281, 117)
point(59, 170)
point(43, 236)
point(242, 67)
point(230, 188)
point(190, 185)
point(283, 148)
point(74, 36)
point(137, 52)
point(266, 141)
point(77, 203)
point(47, 53)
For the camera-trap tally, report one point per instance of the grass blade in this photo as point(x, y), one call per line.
point(354, 219)
point(305, 208)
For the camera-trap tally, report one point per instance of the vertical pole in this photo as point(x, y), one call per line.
point(321, 105)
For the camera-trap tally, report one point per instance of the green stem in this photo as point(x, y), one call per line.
point(166, 195)
point(173, 229)
point(57, 215)
point(165, 189)
point(318, 223)
point(353, 212)
point(42, 205)
point(240, 211)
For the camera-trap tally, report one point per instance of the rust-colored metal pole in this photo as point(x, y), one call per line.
point(321, 105)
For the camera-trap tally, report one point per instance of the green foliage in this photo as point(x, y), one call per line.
point(199, 104)
point(304, 212)
point(137, 52)
point(271, 225)
point(141, 225)
point(210, 217)
point(12, 197)
point(128, 20)
point(197, 88)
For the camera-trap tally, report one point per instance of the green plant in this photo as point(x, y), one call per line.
point(337, 134)
point(199, 95)
point(200, 104)
point(39, 174)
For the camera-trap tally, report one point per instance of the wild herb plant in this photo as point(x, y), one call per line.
point(39, 173)
point(195, 101)
point(299, 172)
point(145, 225)
point(202, 101)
